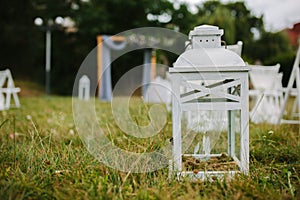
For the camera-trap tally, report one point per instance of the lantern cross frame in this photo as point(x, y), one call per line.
point(214, 90)
point(234, 96)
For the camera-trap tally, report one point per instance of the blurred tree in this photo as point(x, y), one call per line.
point(227, 23)
point(114, 16)
point(110, 17)
point(269, 46)
point(273, 48)
point(17, 36)
point(65, 45)
point(233, 17)
point(23, 43)
point(239, 24)
point(182, 19)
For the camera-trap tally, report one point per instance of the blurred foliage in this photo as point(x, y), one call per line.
point(23, 44)
point(234, 18)
point(273, 48)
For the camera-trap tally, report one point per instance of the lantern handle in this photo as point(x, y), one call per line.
point(188, 43)
point(224, 42)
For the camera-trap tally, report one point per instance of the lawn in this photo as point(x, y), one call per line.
point(43, 157)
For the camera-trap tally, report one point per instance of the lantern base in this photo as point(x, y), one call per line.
point(208, 167)
point(206, 175)
point(209, 163)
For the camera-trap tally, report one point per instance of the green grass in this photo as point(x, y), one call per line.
point(42, 157)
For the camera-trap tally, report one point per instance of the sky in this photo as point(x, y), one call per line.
point(278, 14)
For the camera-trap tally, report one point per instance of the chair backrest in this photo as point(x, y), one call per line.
point(237, 48)
point(265, 77)
point(10, 81)
point(159, 91)
point(3, 77)
point(6, 79)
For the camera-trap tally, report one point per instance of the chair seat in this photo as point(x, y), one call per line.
point(10, 90)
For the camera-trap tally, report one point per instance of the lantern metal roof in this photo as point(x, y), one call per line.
point(209, 57)
point(206, 52)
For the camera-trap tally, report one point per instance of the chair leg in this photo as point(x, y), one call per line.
point(2, 101)
point(255, 107)
point(16, 98)
point(295, 106)
point(7, 103)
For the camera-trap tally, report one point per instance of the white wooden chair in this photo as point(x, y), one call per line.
point(267, 93)
point(7, 88)
point(159, 91)
point(237, 48)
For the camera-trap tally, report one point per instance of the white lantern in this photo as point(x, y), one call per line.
point(209, 81)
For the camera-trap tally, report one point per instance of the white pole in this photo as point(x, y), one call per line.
point(48, 60)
